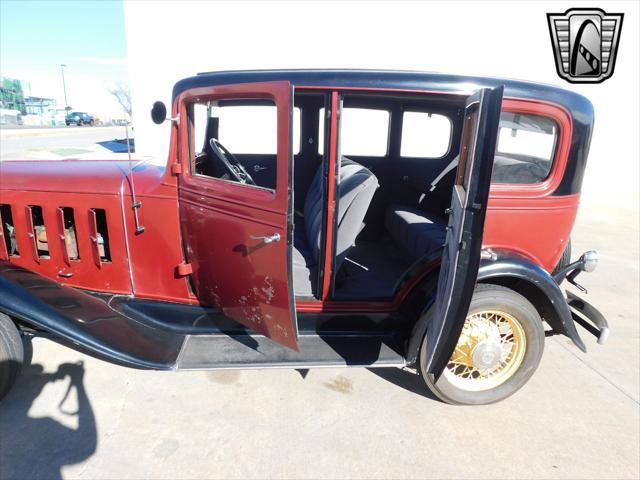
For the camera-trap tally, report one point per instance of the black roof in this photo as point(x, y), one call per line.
point(576, 104)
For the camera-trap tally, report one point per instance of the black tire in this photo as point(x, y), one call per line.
point(79, 123)
point(495, 298)
point(27, 350)
point(565, 259)
point(11, 354)
point(92, 123)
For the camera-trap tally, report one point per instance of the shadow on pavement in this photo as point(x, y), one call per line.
point(37, 448)
point(118, 145)
point(405, 379)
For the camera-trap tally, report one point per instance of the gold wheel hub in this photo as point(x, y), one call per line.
point(489, 351)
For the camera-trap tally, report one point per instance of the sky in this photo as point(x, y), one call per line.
point(89, 37)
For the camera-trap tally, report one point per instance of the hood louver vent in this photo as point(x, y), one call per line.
point(33, 233)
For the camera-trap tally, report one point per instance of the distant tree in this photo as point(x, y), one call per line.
point(123, 96)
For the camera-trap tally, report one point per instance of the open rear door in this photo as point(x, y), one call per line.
point(237, 233)
point(461, 256)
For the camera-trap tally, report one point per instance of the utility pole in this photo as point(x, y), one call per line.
point(64, 86)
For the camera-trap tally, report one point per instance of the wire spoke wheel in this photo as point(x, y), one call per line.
point(489, 351)
point(498, 349)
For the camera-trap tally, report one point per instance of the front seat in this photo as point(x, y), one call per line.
point(356, 188)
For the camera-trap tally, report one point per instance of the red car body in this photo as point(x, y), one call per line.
point(165, 235)
point(142, 264)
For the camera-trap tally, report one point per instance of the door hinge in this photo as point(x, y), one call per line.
point(176, 168)
point(183, 269)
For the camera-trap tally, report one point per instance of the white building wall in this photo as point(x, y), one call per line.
point(168, 41)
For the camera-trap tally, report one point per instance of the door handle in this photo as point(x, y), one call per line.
point(257, 168)
point(269, 239)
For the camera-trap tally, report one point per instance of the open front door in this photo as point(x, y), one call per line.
point(237, 232)
point(461, 256)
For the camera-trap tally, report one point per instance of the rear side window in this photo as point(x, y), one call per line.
point(363, 132)
point(526, 147)
point(425, 135)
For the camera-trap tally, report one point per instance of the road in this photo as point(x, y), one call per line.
point(63, 142)
point(577, 418)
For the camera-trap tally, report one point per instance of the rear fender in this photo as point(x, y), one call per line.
point(510, 270)
point(532, 281)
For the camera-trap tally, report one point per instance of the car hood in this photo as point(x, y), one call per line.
point(73, 176)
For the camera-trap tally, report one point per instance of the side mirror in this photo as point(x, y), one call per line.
point(158, 113)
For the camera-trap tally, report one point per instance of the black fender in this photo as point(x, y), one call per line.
point(521, 274)
point(84, 322)
point(512, 270)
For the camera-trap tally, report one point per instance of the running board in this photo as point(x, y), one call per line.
point(162, 336)
point(208, 352)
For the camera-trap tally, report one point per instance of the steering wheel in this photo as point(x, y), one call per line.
point(230, 162)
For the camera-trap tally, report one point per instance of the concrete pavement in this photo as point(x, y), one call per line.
point(577, 418)
point(95, 143)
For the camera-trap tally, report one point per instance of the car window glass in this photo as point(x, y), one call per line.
point(253, 129)
point(199, 126)
point(363, 132)
point(248, 129)
point(248, 132)
point(525, 151)
point(321, 125)
point(425, 135)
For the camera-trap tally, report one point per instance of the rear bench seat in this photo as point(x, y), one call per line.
point(419, 233)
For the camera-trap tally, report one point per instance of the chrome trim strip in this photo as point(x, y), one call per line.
point(124, 226)
point(290, 366)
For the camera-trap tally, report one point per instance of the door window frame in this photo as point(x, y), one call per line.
point(232, 191)
point(326, 303)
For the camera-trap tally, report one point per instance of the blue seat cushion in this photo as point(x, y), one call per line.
point(417, 232)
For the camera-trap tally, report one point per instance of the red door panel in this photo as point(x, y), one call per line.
point(236, 236)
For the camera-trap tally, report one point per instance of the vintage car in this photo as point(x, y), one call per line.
point(313, 218)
